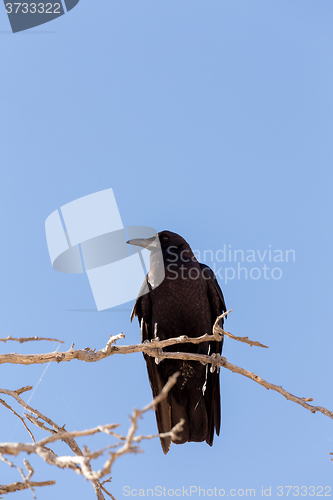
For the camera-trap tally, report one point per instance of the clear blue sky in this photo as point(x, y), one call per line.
point(211, 119)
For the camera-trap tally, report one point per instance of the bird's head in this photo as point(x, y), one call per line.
point(167, 241)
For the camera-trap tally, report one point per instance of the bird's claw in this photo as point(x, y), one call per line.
point(215, 363)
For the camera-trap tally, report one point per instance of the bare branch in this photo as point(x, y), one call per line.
point(221, 361)
point(301, 401)
point(49, 456)
point(155, 349)
point(19, 416)
point(128, 445)
point(29, 339)
point(218, 332)
point(80, 463)
point(19, 486)
point(9, 488)
point(16, 395)
point(87, 354)
point(65, 435)
point(91, 355)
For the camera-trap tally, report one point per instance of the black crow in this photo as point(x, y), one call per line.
point(186, 302)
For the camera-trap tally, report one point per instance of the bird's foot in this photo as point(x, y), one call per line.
point(158, 352)
point(215, 363)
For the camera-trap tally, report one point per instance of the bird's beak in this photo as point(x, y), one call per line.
point(149, 243)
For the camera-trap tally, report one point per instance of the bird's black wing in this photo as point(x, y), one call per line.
point(212, 392)
point(143, 310)
point(208, 273)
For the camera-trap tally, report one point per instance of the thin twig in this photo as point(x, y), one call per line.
point(27, 483)
point(19, 486)
point(18, 416)
point(218, 331)
point(21, 340)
